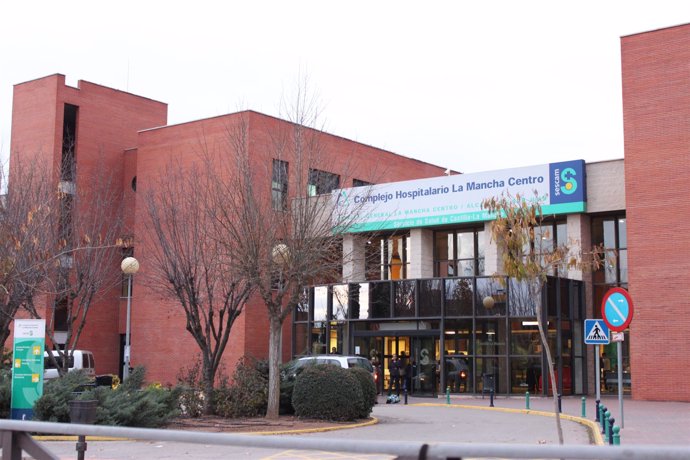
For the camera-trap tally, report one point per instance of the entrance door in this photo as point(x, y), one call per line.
point(423, 366)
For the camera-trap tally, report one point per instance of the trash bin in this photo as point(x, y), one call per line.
point(83, 411)
point(104, 380)
point(488, 384)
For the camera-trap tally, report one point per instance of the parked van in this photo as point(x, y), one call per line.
point(80, 359)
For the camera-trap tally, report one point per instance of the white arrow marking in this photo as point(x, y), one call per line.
point(613, 305)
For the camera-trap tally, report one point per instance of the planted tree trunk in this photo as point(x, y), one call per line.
point(274, 360)
point(545, 344)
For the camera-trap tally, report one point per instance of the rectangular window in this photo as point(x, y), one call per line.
point(69, 142)
point(360, 183)
point(459, 253)
point(387, 258)
point(322, 182)
point(279, 185)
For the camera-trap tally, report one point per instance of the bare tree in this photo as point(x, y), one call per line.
point(521, 237)
point(25, 217)
point(85, 242)
point(289, 235)
point(190, 265)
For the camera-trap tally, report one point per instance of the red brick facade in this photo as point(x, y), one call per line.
point(153, 317)
point(113, 133)
point(656, 102)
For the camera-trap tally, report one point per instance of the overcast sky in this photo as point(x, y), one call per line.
point(473, 86)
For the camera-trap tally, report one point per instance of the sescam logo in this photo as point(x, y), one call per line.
point(570, 183)
point(567, 182)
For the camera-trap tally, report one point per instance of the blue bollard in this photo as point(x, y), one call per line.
point(597, 410)
point(606, 425)
point(448, 395)
point(611, 422)
point(491, 398)
point(527, 400)
point(602, 411)
point(616, 435)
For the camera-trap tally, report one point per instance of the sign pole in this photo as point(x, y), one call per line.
point(617, 312)
point(619, 350)
point(598, 370)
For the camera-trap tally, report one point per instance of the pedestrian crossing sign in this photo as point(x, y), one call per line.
point(596, 332)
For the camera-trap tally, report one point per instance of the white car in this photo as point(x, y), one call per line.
point(345, 362)
point(80, 359)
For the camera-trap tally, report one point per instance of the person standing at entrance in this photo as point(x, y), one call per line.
point(394, 369)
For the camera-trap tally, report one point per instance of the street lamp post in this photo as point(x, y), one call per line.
point(129, 267)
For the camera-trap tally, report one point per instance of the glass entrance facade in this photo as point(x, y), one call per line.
point(463, 333)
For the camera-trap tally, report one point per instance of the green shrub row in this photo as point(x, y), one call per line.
point(321, 392)
point(130, 404)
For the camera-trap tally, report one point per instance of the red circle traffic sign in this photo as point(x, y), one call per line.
point(617, 309)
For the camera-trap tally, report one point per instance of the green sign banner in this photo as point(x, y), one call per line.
point(27, 366)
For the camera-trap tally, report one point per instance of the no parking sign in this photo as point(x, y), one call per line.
point(617, 309)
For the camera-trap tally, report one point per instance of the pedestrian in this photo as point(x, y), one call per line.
point(394, 369)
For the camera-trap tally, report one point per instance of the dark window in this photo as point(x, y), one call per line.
point(380, 300)
point(322, 182)
point(360, 183)
point(459, 252)
point(60, 315)
point(610, 233)
point(69, 142)
point(279, 185)
point(404, 298)
point(459, 295)
point(430, 295)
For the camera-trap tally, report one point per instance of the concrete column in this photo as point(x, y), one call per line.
point(421, 253)
point(492, 254)
point(354, 258)
point(579, 243)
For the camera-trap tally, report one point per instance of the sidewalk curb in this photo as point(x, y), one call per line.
point(372, 421)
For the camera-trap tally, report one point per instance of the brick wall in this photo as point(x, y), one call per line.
point(159, 339)
point(656, 103)
point(108, 122)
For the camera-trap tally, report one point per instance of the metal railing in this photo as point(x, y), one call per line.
point(16, 437)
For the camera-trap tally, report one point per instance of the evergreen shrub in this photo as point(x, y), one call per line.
point(327, 392)
point(130, 404)
point(53, 406)
point(5, 392)
point(368, 390)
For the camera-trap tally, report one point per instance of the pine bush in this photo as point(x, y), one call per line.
point(53, 406)
point(131, 405)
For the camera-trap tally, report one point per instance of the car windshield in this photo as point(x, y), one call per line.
point(360, 362)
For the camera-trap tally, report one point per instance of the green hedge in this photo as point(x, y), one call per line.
point(328, 392)
point(366, 381)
